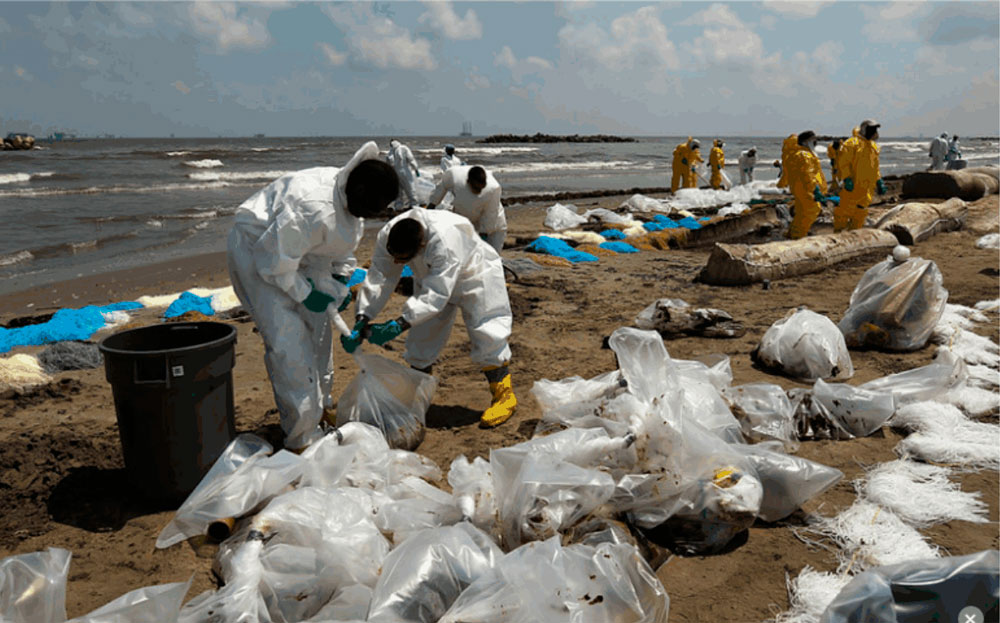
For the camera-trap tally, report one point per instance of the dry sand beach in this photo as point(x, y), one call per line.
point(61, 467)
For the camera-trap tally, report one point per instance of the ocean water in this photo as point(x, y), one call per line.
point(78, 208)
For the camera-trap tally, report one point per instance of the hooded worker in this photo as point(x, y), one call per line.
point(477, 198)
point(938, 152)
point(401, 159)
point(805, 180)
point(747, 162)
point(291, 252)
point(859, 168)
point(832, 152)
point(954, 154)
point(453, 269)
point(450, 158)
point(683, 164)
point(717, 161)
point(694, 155)
point(788, 147)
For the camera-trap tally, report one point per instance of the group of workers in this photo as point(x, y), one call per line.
point(854, 164)
point(291, 255)
point(944, 154)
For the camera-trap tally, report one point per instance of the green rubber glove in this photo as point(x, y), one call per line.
point(317, 301)
point(849, 184)
point(385, 332)
point(880, 187)
point(684, 160)
point(351, 342)
point(347, 301)
point(818, 194)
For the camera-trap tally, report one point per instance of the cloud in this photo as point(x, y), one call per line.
point(378, 40)
point(180, 86)
point(333, 56)
point(519, 68)
point(893, 22)
point(768, 22)
point(637, 39)
point(726, 40)
point(228, 25)
point(957, 23)
point(715, 15)
point(828, 54)
point(475, 80)
point(795, 9)
point(442, 18)
point(4, 26)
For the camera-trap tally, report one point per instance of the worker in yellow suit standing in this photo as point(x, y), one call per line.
point(695, 157)
point(788, 147)
point(805, 179)
point(832, 151)
point(716, 161)
point(682, 164)
point(859, 168)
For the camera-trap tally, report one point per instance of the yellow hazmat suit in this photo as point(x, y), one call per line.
point(804, 174)
point(681, 166)
point(694, 157)
point(788, 147)
point(832, 153)
point(716, 160)
point(859, 161)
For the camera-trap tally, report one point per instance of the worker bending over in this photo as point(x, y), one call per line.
point(289, 240)
point(453, 269)
point(747, 162)
point(477, 198)
point(859, 168)
point(686, 156)
point(805, 179)
point(716, 161)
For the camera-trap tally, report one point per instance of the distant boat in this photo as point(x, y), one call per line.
point(258, 136)
point(466, 129)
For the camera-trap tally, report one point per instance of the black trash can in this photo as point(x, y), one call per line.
point(173, 389)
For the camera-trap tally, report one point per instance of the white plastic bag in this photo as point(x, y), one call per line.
point(895, 306)
point(931, 382)
point(240, 479)
point(788, 480)
point(33, 587)
point(474, 493)
point(764, 412)
point(415, 505)
point(840, 411)
point(560, 217)
point(806, 345)
point(390, 396)
point(153, 603)
point(543, 582)
point(240, 599)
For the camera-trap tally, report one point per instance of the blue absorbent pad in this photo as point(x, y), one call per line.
point(357, 277)
point(835, 199)
point(689, 222)
point(559, 248)
point(190, 302)
point(612, 234)
point(65, 324)
point(619, 247)
point(407, 271)
point(653, 226)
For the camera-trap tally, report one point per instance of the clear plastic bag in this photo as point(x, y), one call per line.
point(240, 599)
point(788, 481)
point(931, 382)
point(554, 394)
point(544, 582)
point(560, 217)
point(701, 400)
point(937, 589)
point(33, 587)
point(644, 362)
point(895, 306)
point(472, 487)
point(764, 412)
point(153, 603)
point(423, 577)
point(805, 345)
point(349, 605)
point(389, 396)
point(841, 411)
point(415, 505)
point(240, 479)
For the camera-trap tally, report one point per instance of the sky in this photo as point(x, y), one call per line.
point(424, 68)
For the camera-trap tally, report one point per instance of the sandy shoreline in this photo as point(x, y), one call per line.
point(61, 467)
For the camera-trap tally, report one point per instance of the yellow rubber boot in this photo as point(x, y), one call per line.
point(503, 405)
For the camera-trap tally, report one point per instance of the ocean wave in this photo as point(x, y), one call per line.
point(16, 258)
point(170, 153)
point(99, 190)
point(230, 176)
point(154, 223)
point(907, 146)
point(259, 149)
point(204, 164)
point(534, 167)
point(14, 178)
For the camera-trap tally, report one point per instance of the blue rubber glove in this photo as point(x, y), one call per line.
point(384, 332)
point(848, 184)
point(880, 187)
point(351, 343)
point(317, 301)
point(818, 194)
point(684, 160)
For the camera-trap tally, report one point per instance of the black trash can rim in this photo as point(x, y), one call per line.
point(230, 336)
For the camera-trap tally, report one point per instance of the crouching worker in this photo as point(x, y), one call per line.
point(453, 269)
point(291, 253)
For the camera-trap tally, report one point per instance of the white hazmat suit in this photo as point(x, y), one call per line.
point(296, 228)
point(449, 161)
point(747, 163)
point(401, 159)
point(938, 152)
point(484, 210)
point(454, 271)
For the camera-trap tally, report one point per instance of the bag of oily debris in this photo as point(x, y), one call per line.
point(150, 603)
point(805, 345)
point(33, 587)
point(544, 582)
point(675, 317)
point(764, 412)
point(954, 588)
point(560, 217)
point(423, 577)
point(839, 411)
point(788, 481)
point(389, 396)
point(896, 305)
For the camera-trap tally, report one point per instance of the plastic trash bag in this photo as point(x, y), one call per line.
point(415, 505)
point(931, 382)
point(240, 599)
point(153, 603)
point(423, 577)
point(544, 582)
point(702, 401)
point(389, 396)
point(939, 589)
point(474, 493)
point(764, 412)
point(240, 479)
point(33, 587)
point(348, 605)
point(895, 306)
point(644, 363)
point(560, 217)
point(788, 481)
point(805, 345)
point(841, 411)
